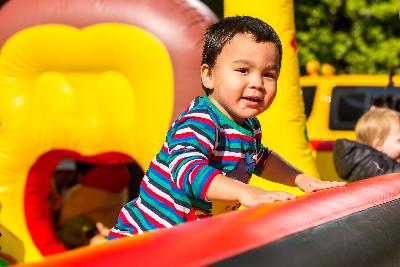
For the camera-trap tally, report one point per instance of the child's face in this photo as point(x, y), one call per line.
point(244, 77)
point(391, 145)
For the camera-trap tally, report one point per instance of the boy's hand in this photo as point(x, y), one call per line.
point(101, 237)
point(251, 196)
point(311, 184)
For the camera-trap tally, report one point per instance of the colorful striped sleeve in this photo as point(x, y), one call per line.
point(191, 146)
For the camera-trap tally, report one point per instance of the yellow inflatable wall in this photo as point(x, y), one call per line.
point(284, 122)
point(80, 90)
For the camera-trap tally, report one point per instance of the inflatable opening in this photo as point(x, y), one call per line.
point(67, 194)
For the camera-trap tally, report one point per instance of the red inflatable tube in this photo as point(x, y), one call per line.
point(212, 240)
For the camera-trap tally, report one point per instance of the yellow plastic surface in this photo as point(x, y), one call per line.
point(105, 88)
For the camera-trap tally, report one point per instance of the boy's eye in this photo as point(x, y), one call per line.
point(270, 75)
point(242, 70)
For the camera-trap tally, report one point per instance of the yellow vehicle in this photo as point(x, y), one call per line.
point(333, 104)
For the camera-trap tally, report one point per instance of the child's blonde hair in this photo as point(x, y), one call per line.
point(375, 125)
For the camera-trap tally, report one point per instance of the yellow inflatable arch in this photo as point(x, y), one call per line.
point(87, 94)
point(69, 94)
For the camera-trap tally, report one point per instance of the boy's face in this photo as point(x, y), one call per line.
point(244, 77)
point(391, 145)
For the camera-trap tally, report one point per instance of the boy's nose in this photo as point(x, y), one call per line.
point(257, 82)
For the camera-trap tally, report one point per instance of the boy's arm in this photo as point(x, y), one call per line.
point(278, 170)
point(190, 150)
point(227, 189)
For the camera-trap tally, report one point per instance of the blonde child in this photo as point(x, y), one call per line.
point(377, 149)
point(214, 146)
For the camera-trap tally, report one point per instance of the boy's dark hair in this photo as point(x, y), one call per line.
point(220, 33)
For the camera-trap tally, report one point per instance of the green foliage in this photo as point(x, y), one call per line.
point(355, 36)
point(217, 6)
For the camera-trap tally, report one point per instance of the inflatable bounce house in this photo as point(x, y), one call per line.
point(100, 81)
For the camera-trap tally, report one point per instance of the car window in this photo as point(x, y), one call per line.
point(348, 103)
point(308, 98)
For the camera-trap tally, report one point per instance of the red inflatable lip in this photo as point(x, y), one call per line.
point(37, 212)
point(220, 237)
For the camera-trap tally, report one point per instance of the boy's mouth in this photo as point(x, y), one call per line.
point(252, 99)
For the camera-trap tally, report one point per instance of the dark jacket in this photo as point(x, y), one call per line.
point(355, 161)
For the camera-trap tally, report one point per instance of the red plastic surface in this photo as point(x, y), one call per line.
point(322, 145)
point(210, 240)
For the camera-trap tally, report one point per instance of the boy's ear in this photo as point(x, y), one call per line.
point(206, 77)
point(377, 144)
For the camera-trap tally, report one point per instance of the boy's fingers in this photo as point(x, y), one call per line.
point(102, 229)
point(315, 187)
point(323, 185)
point(336, 183)
point(310, 189)
point(281, 196)
point(270, 200)
point(290, 196)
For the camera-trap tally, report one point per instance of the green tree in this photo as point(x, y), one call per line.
point(355, 36)
point(217, 6)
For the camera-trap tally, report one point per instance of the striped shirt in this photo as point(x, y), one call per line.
point(200, 144)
